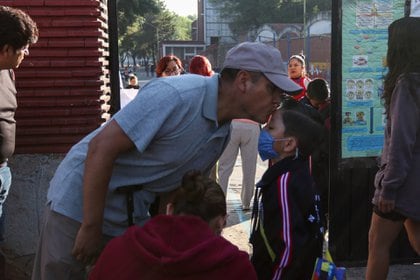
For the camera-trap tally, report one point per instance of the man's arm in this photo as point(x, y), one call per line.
point(102, 152)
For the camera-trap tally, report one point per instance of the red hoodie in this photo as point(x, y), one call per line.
point(172, 247)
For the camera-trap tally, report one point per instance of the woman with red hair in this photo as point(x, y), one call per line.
point(201, 65)
point(169, 65)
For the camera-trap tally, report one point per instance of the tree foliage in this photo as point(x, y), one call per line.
point(249, 15)
point(143, 24)
point(183, 28)
point(129, 10)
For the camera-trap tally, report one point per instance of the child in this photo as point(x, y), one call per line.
point(297, 72)
point(287, 230)
point(317, 93)
point(318, 96)
point(185, 244)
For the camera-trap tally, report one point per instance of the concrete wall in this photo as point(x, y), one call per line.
point(24, 209)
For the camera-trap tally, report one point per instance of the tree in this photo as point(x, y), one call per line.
point(183, 27)
point(140, 31)
point(129, 10)
point(248, 15)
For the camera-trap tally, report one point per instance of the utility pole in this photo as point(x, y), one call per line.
point(407, 8)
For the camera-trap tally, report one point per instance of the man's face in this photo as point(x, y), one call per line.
point(262, 97)
point(11, 58)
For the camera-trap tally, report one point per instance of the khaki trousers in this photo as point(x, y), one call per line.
point(53, 259)
point(244, 136)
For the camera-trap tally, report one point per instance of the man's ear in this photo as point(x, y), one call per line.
point(290, 145)
point(169, 209)
point(241, 80)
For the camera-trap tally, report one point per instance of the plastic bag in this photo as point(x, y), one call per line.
point(325, 269)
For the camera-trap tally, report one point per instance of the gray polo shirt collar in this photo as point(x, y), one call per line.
point(211, 97)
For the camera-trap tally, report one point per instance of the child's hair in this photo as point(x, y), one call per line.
point(200, 65)
point(199, 196)
point(289, 103)
point(318, 89)
point(309, 133)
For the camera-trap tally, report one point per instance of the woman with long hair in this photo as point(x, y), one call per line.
point(397, 187)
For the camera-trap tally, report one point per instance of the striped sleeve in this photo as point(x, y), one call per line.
point(285, 255)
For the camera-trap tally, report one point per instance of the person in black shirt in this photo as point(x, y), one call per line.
point(17, 32)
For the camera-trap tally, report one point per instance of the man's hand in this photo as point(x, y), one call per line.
point(88, 244)
point(385, 205)
point(102, 152)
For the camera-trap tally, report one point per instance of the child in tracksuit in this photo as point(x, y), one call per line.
point(287, 229)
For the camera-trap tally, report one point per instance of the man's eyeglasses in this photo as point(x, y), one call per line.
point(172, 71)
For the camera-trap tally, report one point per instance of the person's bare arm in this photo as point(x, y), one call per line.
point(102, 151)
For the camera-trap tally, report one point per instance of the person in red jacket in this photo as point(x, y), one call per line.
point(297, 72)
point(186, 244)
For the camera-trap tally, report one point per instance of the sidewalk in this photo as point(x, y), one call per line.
point(238, 228)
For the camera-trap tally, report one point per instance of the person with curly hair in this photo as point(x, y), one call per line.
point(17, 32)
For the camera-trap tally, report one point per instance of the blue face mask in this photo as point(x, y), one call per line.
point(265, 146)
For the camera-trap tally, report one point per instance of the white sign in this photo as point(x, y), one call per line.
point(126, 95)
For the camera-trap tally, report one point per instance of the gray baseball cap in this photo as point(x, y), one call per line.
point(259, 57)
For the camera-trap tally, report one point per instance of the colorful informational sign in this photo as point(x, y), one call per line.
point(364, 45)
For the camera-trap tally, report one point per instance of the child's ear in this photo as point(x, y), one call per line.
point(291, 145)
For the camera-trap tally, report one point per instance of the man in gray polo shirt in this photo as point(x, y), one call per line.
point(173, 125)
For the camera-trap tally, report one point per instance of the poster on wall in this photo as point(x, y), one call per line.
point(364, 45)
